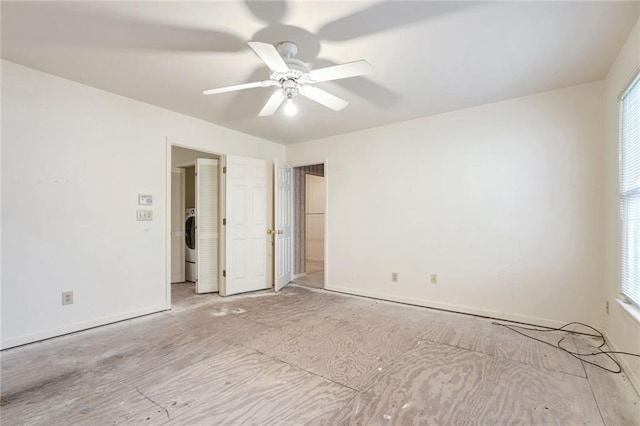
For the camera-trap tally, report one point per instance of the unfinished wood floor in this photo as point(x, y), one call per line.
point(306, 356)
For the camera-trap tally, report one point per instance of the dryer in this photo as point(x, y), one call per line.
point(191, 270)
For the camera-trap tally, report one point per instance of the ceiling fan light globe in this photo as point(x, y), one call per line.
point(290, 109)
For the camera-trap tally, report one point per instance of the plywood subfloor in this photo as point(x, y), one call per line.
point(306, 356)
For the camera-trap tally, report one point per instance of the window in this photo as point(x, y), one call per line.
point(630, 190)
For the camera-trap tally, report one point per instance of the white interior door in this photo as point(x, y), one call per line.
point(177, 225)
point(207, 216)
point(246, 229)
point(283, 216)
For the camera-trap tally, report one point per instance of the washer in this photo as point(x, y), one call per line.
point(191, 271)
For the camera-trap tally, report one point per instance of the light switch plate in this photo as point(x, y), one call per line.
point(145, 199)
point(144, 215)
point(67, 297)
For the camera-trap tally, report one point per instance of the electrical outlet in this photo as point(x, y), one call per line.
point(394, 277)
point(434, 279)
point(67, 297)
point(144, 215)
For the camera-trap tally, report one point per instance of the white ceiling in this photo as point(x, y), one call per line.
point(427, 57)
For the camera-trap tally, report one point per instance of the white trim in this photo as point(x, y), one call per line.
point(167, 240)
point(630, 308)
point(626, 368)
point(635, 74)
point(80, 326)
point(326, 222)
point(182, 171)
point(448, 307)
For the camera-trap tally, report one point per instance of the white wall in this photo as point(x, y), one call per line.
point(501, 201)
point(622, 330)
point(74, 159)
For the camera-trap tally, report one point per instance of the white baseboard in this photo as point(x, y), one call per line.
point(633, 379)
point(313, 259)
point(447, 307)
point(72, 328)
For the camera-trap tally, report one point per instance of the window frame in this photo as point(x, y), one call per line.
point(632, 85)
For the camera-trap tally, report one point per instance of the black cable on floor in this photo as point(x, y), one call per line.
point(574, 354)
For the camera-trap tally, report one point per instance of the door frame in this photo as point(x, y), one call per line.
point(221, 206)
point(182, 208)
point(325, 162)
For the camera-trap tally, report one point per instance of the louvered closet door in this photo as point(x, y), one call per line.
point(177, 225)
point(207, 232)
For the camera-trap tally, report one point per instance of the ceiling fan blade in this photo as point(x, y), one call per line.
point(323, 98)
point(264, 83)
point(364, 87)
point(269, 55)
point(351, 69)
point(272, 104)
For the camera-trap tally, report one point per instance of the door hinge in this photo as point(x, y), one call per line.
point(224, 221)
point(224, 169)
point(224, 272)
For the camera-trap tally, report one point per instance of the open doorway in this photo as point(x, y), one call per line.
point(232, 206)
point(195, 236)
point(309, 225)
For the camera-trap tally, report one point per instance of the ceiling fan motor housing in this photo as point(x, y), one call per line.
point(297, 71)
point(289, 88)
point(287, 49)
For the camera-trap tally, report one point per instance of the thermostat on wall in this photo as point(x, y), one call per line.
point(145, 199)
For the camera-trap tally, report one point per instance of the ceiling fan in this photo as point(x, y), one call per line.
point(292, 77)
